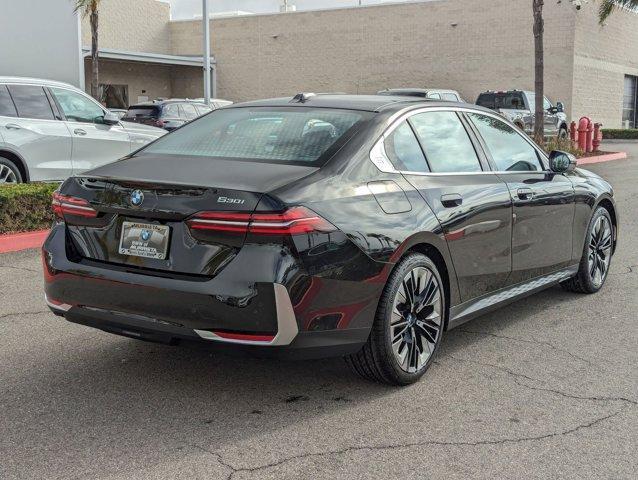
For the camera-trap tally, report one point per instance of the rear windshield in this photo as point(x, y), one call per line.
point(506, 100)
point(290, 135)
point(142, 112)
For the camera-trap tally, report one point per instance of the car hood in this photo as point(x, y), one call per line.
point(142, 129)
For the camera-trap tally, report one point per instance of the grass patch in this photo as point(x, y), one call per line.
point(25, 207)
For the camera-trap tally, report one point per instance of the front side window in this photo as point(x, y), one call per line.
point(510, 151)
point(31, 102)
point(451, 97)
point(7, 108)
point(291, 135)
point(447, 146)
point(77, 107)
point(170, 110)
point(404, 151)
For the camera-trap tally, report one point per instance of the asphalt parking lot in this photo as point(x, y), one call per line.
point(544, 388)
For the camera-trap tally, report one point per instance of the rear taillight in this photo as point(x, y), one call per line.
point(64, 205)
point(294, 221)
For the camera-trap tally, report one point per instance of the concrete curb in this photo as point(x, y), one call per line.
point(602, 158)
point(15, 242)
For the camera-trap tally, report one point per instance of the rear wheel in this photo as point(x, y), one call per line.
point(9, 173)
point(594, 264)
point(408, 326)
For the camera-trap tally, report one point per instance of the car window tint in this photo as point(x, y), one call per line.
point(7, 108)
point(31, 102)
point(189, 111)
point(450, 96)
point(509, 149)
point(171, 110)
point(77, 107)
point(403, 150)
point(291, 135)
point(487, 100)
point(447, 146)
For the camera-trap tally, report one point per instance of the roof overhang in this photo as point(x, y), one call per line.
point(143, 57)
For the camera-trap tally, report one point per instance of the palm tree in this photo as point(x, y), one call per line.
point(608, 6)
point(90, 8)
point(539, 70)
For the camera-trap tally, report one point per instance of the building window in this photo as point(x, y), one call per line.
point(630, 102)
point(114, 96)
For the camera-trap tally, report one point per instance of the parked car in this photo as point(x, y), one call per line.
point(167, 114)
point(431, 93)
point(216, 103)
point(120, 112)
point(368, 239)
point(519, 107)
point(51, 130)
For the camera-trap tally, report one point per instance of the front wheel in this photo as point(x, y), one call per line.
point(9, 173)
point(594, 264)
point(408, 325)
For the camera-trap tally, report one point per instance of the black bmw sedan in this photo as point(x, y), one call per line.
point(323, 225)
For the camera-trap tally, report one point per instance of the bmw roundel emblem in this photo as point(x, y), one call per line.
point(137, 197)
point(145, 235)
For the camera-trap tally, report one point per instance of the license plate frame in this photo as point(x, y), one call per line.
point(145, 240)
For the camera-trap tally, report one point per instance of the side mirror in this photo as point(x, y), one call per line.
point(561, 162)
point(560, 107)
point(109, 118)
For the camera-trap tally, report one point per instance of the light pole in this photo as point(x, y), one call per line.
point(206, 32)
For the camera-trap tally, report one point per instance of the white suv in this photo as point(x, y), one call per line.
point(51, 130)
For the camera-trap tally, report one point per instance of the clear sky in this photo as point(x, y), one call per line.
point(182, 9)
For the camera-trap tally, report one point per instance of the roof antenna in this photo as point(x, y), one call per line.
point(303, 97)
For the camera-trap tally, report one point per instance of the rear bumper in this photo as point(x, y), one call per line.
point(242, 315)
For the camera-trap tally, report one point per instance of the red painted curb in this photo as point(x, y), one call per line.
point(14, 242)
point(602, 158)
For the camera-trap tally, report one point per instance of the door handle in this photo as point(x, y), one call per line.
point(451, 200)
point(79, 131)
point(13, 126)
point(525, 193)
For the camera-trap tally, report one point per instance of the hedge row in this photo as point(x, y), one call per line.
point(617, 133)
point(25, 207)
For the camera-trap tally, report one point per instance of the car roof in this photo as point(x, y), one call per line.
point(419, 90)
point(38, 81)
point(159, 103)
point(369, 103)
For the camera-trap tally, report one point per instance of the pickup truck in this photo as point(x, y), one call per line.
point(518, 106)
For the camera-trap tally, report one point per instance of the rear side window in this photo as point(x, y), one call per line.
point(142, 112)
point(189, 111)
point(487, 100)
point(510, 151)
point(435, 96)
point(31, 102)
point(290, 135)
point(447, 146)
point(404, 151)
point(171, 110)
point(7, 108)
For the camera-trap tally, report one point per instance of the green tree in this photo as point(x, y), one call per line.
point(89, 8)
point(608, 6)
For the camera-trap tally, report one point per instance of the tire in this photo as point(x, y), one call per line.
point(416, 326)
point(9, 172)
point(562, 133)
point(597, 253)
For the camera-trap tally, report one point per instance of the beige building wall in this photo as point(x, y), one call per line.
point(466, 45)
point(132, 25)
point(603, 55)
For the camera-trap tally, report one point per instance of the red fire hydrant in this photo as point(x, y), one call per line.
point(598, 136)
point(585, 129)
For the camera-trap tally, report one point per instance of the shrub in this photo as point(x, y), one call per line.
point(617, 133)
point(25, 207)
point(564, 144)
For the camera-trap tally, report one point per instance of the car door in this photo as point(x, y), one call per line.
point(543, 201)
point(94, 143)
point(472, 204)
point(34, 131)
